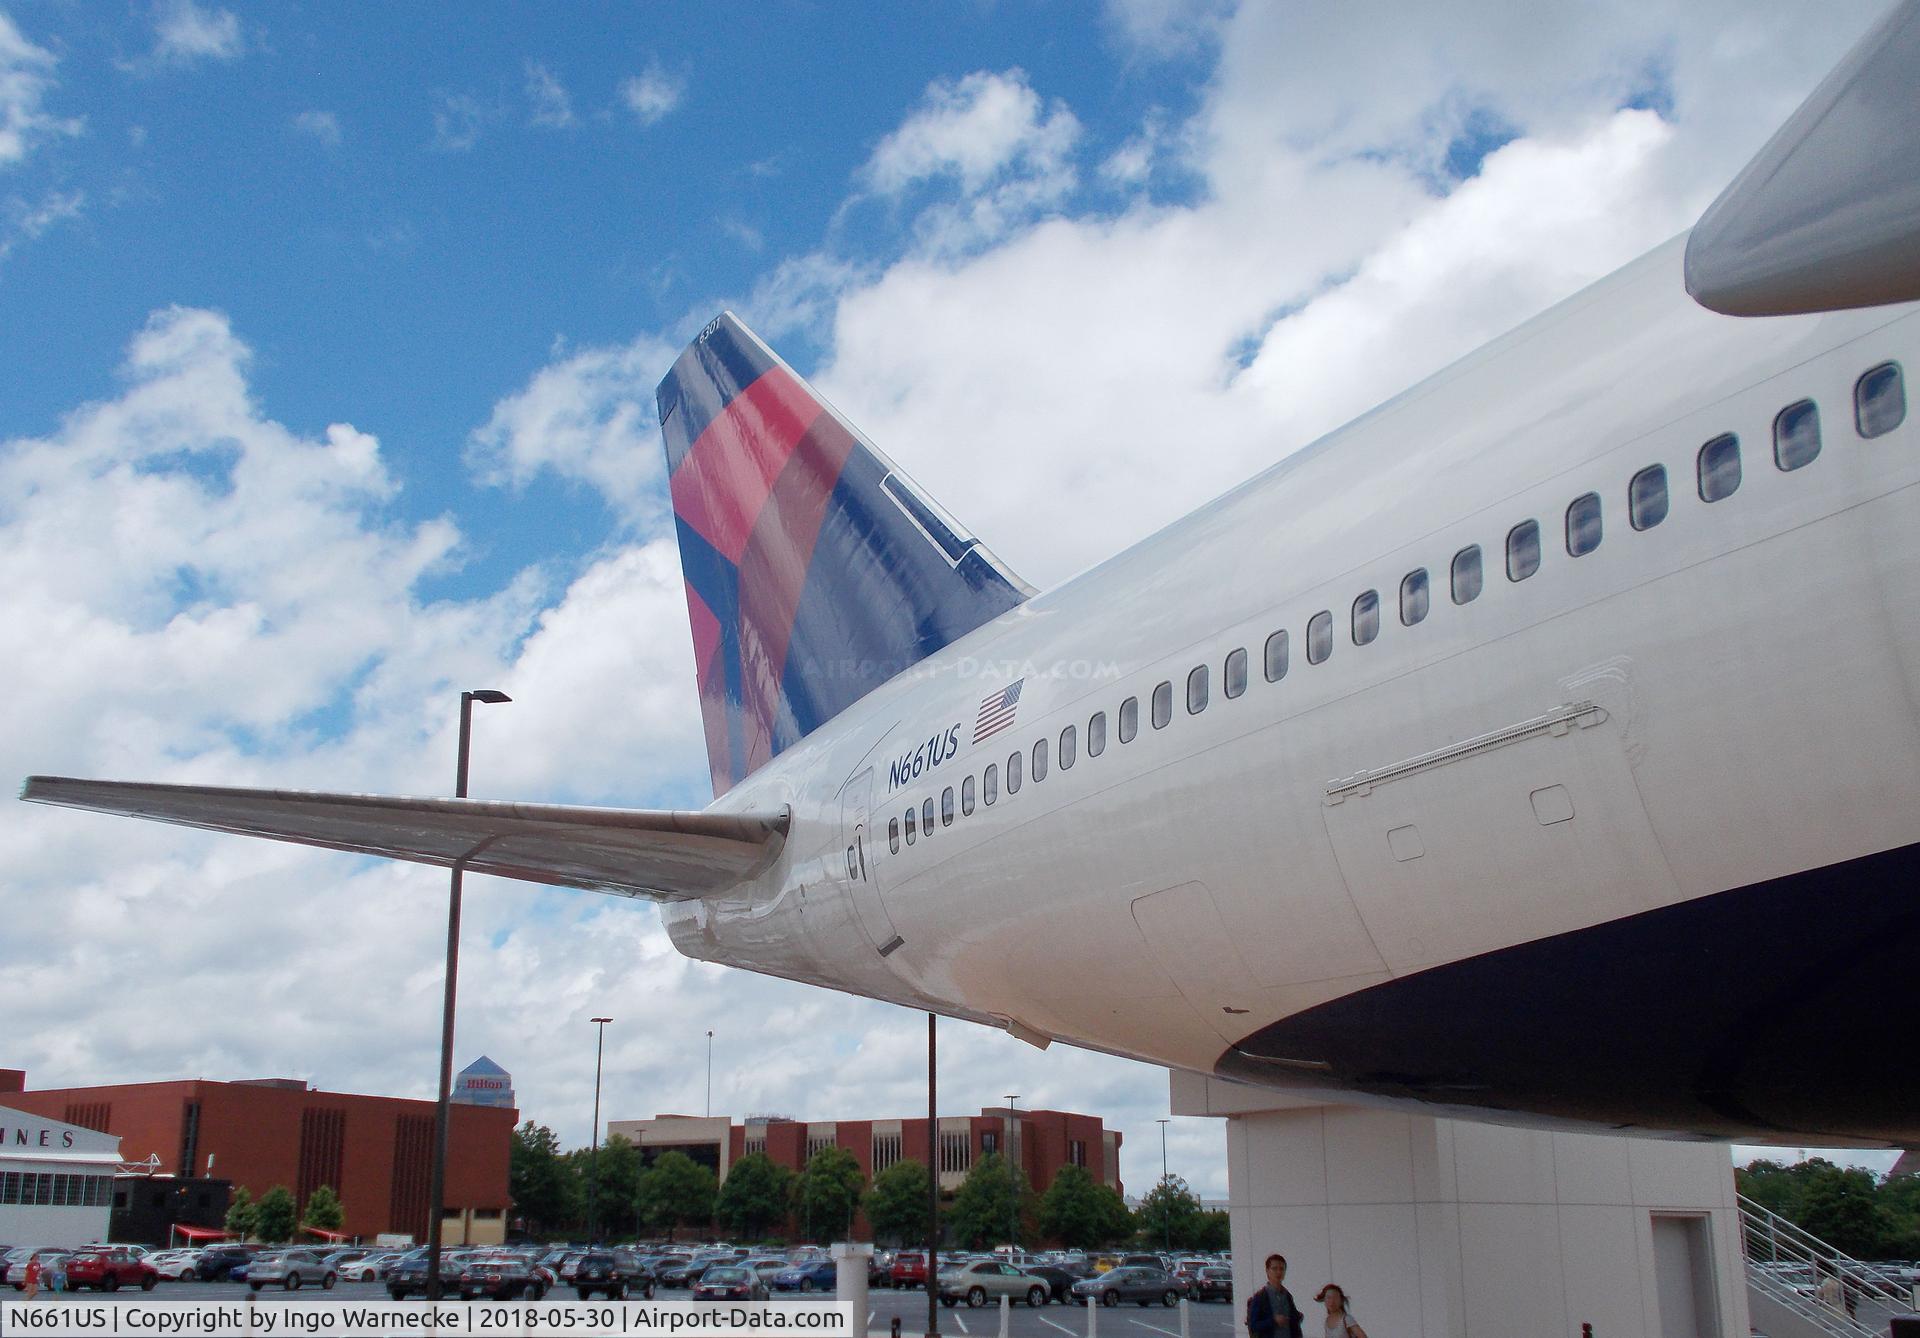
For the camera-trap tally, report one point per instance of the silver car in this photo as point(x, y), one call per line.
point(291, 1269)
point(983, 1280)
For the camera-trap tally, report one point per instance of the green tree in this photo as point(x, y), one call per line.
point(243, 1215)
point(985, 1205)
point(324, 1210)
point(616, 1170)
point(897, 1204)
point(1169, 1216)
point(540, 1180)
point(274, 1215)
point(827, 1194)
point(675, 1191)
point(1081, 1213)
point(1840, 1208)
point(1214, 1233)
point(755, 1196)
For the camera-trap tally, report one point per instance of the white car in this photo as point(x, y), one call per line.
point(373, 1268)
point(175, 1265)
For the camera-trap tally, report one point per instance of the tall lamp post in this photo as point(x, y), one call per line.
point(593, 1160)
point(436, 1192)
point(1166, 1208)
point(1013, 1179)
point(709, 1074)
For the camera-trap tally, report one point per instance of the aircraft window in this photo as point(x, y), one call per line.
point(1039, 760)
point(911, 827)
point(946, 807)
point(1233, 675)
point(1097, 734)
point(1366, 617)
point(966, 797)
point(990, 783)
point(1319, 637)
point(893, 835)
point(1583, 525)
point(1277, 656)
point(1523, 550)
point(1013, 773)
point(926, 815)
point(1466, 574)
point(1719, 467)
point(1129, 719)
point(1414, 597)
point(1069, 747)
point(1162, 705)
point(1647, 497)
point(1197, 690)
point(1796, 435)
point(1880, 400)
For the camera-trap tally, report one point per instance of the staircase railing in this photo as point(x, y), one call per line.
point(1796, 1269)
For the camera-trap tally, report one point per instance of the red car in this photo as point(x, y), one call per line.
point(910, 1269)
point(109, 1268)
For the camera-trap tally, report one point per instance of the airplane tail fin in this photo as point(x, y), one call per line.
point(815, 569)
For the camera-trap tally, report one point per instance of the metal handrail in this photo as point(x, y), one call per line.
point(1769, 1238)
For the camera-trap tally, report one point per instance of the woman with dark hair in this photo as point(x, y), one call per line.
point(1340, 1322)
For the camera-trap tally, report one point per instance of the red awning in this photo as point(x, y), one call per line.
point(199, 1232)
point(325, 1234)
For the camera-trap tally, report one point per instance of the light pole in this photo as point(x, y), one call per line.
point(1013, 1181)
point(436, 1192)
point(1166, 1225)
point(709, 1074)
point(933, 1188)
point(593, 1158)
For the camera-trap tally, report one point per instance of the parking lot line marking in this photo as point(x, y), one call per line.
point(1063, 1328)
point(1171, 1333)
point(962, 1323)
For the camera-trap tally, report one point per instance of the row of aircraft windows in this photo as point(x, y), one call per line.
point(1879, 406)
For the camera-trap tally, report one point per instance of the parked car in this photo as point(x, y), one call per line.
point(373, 1268)
point(14, 1274)
point(1212, 1284)
point(599, 1271)
point(108, 1268)
point(217, 1262)
point(1059, 1279)
point(730, 1282)
point(500, 1279)
point(291, 1270)
point(687, 1272)
point(410, 1274)
point(175, 1265)
point(981, 1280)
point(817, 1276)
point(909, 1268)
point(1136, 1283)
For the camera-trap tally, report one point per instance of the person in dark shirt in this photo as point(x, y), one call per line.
point(1271, 1312)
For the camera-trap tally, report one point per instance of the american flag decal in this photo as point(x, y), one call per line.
point(996, 711)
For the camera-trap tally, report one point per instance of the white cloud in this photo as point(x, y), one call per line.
point(26, 77)
point(186, 32)
point(23, 221)
point(322, 125)
point(551, 105)
point(457, 119)
point(653, 93)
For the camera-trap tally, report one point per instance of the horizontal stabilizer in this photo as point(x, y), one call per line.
point(660, 854)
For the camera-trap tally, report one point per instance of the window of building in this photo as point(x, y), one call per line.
point(1097, 734)
point(886, 1151)
point(1880, 400)
point(1796, 435)
point(1583, 524)
point(1077, 1152)
point(1366, 617)
point(893, 835)
point(1276, 656)
point(989, 1142)
point(1162, 705)
point(966, 797)
point(1415, 597)
point(1013, 773)
point(818, 1143)
point(1719, 467)
point(1319, 637)
point(1647, 497)
point(926, 816)
point(911, 825)
point(1039, 768)
point(1523, 550)
point(1233, 675)
point(956, 1153)
point(1129, 719)
point(990, 783)
point(1466, 574)
point(1069, 747)
point(1197, 689)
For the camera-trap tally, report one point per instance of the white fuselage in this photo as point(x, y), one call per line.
point(1724, 698)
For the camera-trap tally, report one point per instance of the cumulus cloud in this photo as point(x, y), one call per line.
point(322, 125)
point(185, 32)
point(652, 94)
point(550, 106)
point(26, 77)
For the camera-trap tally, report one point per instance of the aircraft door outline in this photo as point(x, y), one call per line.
point(858, 871)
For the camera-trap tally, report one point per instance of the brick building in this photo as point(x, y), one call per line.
point(375, 1151)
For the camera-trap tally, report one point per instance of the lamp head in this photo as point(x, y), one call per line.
point(490, 696)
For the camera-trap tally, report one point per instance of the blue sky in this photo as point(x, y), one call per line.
point(330, 335)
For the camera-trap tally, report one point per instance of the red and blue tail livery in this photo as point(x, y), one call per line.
point(815, 569)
